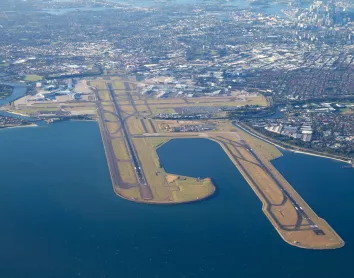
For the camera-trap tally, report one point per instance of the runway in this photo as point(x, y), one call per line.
point(144, 188)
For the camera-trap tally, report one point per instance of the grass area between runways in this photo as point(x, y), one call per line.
point(120, 149)
point(110, 117)
point(118, 85)
point(127, 172)
point(104, 95)
point(112, 127)
point(135, 126)
point(268, 151)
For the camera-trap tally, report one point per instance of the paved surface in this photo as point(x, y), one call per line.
point(144, 188)
point(301, 214)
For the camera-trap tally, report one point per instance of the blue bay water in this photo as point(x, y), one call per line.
point(61, 218)
point(271, 9)
point(19, 90)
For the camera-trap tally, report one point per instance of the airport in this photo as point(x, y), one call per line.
point(131, 136)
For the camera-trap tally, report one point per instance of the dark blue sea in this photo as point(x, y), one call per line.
point(61, 218)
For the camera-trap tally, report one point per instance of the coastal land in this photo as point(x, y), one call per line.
point(134, 124)
point(131, 134)
point(290, 147)
point(132, 159)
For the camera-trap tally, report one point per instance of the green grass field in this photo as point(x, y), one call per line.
point(118, 85)
point(126, 172)
point(110, 117)
point(347, 111)
point(108, 108)
point(269, 151)
point(183, 189)
point(157, 142)
point(104, 95)
point(112, 127)
point(134, 126)
point(33, 78)
point(119, 149)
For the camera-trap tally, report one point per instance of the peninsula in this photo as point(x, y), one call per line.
point(132, 128)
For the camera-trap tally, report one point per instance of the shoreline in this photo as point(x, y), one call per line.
point(323, 156)
point(291, 150)
point(116, 188)
point(20, 126)
point(266, 208)
point(83, 120)
point(209, 196)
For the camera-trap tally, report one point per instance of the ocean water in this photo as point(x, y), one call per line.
point(61, 218)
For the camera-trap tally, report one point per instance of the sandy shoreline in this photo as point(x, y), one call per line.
point(319, 155)
point(20, 126)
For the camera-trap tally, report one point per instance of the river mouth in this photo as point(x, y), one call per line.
point(61, 217)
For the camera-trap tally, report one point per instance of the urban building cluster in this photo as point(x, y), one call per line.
point(50, 90)
point(10, 121)
point(300, 55)
point(324, 127)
